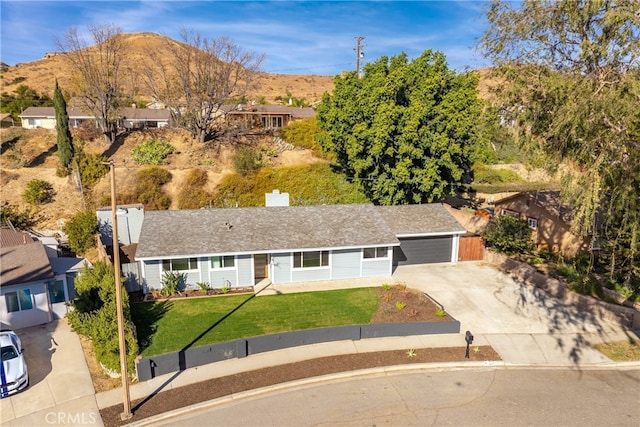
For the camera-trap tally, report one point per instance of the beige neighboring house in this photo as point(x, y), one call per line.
point(6, 121)
point(251, 116)
point(130, 118)
point(45, 117)
point(549, 219)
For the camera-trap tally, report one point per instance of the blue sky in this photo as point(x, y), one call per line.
point(296, 37)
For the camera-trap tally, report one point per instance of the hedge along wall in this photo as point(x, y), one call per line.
point(151, 367)
point(525, 273)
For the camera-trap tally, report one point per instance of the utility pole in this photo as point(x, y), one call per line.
point(126, 414)
point(359, 53)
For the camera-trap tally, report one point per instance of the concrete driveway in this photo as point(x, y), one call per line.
point(524, 324)
point(60, 389)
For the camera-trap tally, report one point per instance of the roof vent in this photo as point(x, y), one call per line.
point(228, 225)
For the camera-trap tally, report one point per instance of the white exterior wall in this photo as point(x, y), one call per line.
point(37, 315)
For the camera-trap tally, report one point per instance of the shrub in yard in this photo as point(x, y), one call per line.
point(192, 194)
point(87, 131)
point(81, 230)
point(38, 192)
point(92, 167)
point(246, 161)
point(152, 152)
point(20, 220)
point(173, 282)
point(148, 189)
point(95, 312)
point(509, 234)
point(301, 134)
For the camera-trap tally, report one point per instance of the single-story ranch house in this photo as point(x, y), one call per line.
point(240, 247)
point(130, 118)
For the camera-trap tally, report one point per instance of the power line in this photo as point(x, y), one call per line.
point(310, 68)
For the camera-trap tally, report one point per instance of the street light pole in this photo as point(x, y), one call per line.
point(126, 414)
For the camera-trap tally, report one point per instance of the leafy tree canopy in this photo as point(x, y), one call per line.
point(572, 84)
point(405, 130)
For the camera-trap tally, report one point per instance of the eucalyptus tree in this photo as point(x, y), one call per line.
point(198, 77)
point(96, 72)
point(405, 131)
point(571, 79)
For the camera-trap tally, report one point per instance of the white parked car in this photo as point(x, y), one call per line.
point(13, 373)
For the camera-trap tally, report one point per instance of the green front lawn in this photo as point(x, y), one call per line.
point(167, 326)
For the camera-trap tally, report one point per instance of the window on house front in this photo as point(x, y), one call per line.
point(19, 300)
point(180, 264)
point(223, 261)
point(380, 252)
point(533, 223)
point(56, 292)
point(310, 259)
point(510, 212)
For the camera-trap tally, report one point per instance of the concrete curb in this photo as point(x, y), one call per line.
point(371, 372)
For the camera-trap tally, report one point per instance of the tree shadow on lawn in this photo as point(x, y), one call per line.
point(182, 363)
point(146, 316)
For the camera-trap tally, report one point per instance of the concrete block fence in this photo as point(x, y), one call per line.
point(150, 367)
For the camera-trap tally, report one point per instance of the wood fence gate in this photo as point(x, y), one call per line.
point(471, 248)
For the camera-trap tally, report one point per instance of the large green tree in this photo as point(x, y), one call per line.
point(571, 82)
point(65, 144)
point(405, 130)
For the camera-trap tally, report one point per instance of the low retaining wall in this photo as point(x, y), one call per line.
point(625, 316)
point(150, 367)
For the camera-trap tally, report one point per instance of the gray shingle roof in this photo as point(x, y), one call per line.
point(417, 220)
point(207, 231)
point(24, 263)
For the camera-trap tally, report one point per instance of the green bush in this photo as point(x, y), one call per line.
point(301, 133)
point(95, 314)
point(509, 234)
point(81, 230)
point(483, 174)
point(92, 167)
point(152, 152)
point(148, 189)
point(246, 161)
point(173, 282)
point(21, 220)
point(313, 184)
point(38, 192)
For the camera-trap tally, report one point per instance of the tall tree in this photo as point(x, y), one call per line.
point(65, 144)
point(97, 72)
point(199, 77)
point(405, 130)
point(571, 79)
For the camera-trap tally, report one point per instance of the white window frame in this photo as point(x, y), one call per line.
point(380, 252)
point(302, 266)
point(223, 262)
point(532, 222)
point(17, 296)
point(190, 260)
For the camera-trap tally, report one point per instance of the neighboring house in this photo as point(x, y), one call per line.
point(129, 219)
point(549, 219)
point(139, 118)
point(243, 246)
point(34, 288)
point(45, 117)
point(6, 120)
point(251, 116)
point(130, 118)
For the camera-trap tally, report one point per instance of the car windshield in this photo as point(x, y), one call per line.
point(9, 352)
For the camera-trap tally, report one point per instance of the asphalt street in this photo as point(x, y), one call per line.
point(474, 397)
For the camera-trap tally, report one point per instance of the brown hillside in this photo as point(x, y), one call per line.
point(41, 74)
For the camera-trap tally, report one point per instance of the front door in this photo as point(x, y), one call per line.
point(261, 266)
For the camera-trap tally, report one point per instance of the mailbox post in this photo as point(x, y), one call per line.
point(468, 337)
